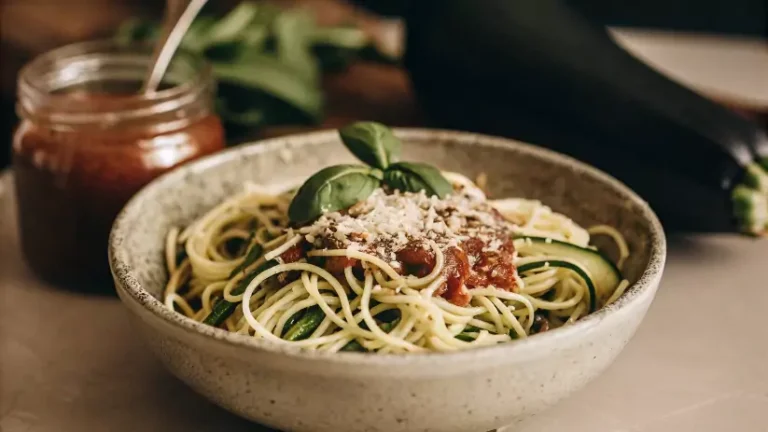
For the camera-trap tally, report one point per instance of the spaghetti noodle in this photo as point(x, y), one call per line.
point(398, 272)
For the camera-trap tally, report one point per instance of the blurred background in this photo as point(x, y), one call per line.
point(356, 70)
point(31, 27)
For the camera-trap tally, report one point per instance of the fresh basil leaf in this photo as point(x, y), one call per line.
point(337, 47)
point(234, 24)
point(136, 31)
point(331, 189)
point(255, 37)
point(292, 31)
point(196, 38)
point(415, 177)
point(349, 37)
point(372, 143)
point(250, 116)
point(224, 52)
point(264, 72)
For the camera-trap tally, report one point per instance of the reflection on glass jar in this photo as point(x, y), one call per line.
point(88, 141)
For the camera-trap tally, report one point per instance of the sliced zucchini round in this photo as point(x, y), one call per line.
point(603, 273)
point(547, 263)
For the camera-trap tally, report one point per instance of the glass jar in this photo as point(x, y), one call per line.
point(88, 140)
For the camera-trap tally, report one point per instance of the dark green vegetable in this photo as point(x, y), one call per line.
point(231, 27)
point(267, 60)
point(331, 189)
point(134, 30)
point(604, 274)
point(293, 33)
point(465, 337)
point(254, 253)
point(751, 208)
point(538, 71)
point(342, 186)
point(281, 80)
point(291, 321)
point(181, 255)
point(386, 327)
point(464, 334)
point(353, 345)
point(415, 177)
point(237, 246)
point(306, 325)
point(196, 39)
point(372, 143)
point(386, 316)
point(223, 309)
point(344, 36)
point(335, 56)
point(750, 199)
point(544, 263)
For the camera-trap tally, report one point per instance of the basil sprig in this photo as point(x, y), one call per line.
point(268, 60)
point(372, 143)
point(414, 177)
point(332, 189)
point(341, 186)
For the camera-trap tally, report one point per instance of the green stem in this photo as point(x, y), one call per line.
point(750, 200)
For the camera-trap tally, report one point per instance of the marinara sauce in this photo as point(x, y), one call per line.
point(88, 140)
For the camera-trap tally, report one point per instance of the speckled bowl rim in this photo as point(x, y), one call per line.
point(128, 282)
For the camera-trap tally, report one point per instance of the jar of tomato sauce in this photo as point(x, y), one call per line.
point(88, 140)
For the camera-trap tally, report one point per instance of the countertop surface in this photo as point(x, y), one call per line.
point(699, 361)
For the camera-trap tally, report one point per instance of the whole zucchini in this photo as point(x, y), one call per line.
point(537, 71)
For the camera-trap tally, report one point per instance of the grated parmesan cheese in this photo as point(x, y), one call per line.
point(387, 222)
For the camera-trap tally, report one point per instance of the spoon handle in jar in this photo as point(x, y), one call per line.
point(179, 16)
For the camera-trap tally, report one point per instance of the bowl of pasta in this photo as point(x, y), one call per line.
point(377, 279)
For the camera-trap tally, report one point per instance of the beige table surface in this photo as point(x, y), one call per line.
point(699, 361)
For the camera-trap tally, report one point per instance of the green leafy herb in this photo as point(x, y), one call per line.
point(293, 44)
point(268, 61)
point(197, 37)
point(372, 143)
point(232, 26)
point(331, 189)
point(134, 30)
point(345, 36)
point(281, 80)
point(341, 186)
point(415, 177)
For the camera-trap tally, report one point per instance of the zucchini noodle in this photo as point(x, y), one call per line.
point(230, 262)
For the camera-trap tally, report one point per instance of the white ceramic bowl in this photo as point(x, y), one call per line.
point(475, 390)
